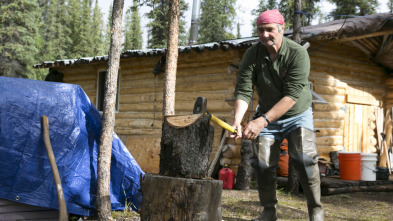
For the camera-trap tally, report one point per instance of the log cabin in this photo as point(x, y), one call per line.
point(351, 64)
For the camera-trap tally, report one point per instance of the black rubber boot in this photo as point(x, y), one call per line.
point(265, 161)
point(303, 150)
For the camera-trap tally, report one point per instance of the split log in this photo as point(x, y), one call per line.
point(186, 145)
point(245, 171)
point(170, 198)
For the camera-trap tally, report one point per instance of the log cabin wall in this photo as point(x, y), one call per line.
point(139, 118)
point(352, 85)
point(354, 88)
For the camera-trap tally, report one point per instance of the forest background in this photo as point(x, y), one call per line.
point(33, 31)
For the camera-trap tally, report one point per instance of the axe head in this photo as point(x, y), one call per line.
point(200, 105)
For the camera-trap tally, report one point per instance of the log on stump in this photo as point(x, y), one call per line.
point(171, 198)
point(245, 171)
point(186, 145)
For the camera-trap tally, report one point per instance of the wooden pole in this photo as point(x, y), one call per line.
point(293, 178)
point(171, 60)
point(297, 21)
point(103, 201)
point(63, 215)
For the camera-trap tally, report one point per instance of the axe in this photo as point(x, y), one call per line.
point(200, 108)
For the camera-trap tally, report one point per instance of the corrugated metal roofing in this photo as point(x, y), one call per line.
point(223, 45)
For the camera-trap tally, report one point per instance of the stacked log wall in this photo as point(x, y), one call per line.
point(342, 75)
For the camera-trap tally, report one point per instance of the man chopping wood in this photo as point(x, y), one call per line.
point(279, 68)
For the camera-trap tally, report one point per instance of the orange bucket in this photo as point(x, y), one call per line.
point(350, 165)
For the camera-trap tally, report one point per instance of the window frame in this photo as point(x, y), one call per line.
point(100, 90)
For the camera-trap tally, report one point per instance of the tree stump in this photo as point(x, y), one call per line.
point(245, 171)
point(170, 198)
point(186, 145)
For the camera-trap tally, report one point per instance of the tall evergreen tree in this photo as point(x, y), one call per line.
point(238, 35)
point(107, 31)
point(97, 30)
point(133, 30)
point(286, 7)
point(18, 28)
point(309, 8)
point(54, 30)
point(158, 27)
point(216, 20)
point(85, 44)
point(75, 11)
point(390, 6)
point(345, 8)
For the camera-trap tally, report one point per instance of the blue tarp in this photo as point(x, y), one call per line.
point(74, 129)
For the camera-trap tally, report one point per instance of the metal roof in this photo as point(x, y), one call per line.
point(223, 45)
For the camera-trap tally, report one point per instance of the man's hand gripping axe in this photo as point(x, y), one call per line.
point(200, 108)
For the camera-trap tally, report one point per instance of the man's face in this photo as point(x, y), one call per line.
point(270, 34)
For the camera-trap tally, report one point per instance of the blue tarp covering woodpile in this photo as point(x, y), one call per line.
point(74, 129)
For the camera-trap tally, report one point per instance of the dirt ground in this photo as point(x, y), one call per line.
point(360, 206)
point(244, 205)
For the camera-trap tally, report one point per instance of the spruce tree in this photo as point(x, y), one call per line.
point(216, 20)
point(158, 27)
point(97, 31)
point(75, 12)
point(85, 44)
point(107, 31)
point(18, 29)
point(54, 32)
point(132, 31)
point(238, 35)
point(309, 8)
point(346, 8)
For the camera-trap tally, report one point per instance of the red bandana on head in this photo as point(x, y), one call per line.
point(270, 16)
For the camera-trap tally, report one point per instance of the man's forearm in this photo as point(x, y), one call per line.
point(280, 108)
point(240, 109)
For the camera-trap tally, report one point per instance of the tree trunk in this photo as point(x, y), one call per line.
point(245, 171)
point(186, 145)
point(297, 22)
point(180, 199)
point(293, 177)
point(171, 60)
point(103, 202)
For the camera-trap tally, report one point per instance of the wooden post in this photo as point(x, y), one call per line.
point(103, 201)
point(171, 60)
point(293, 177)
point(244, 173)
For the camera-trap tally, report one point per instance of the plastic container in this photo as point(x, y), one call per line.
point(369, 167)
point(382, 173)
point(284, 158)
point(350, 165)
point(227, 177)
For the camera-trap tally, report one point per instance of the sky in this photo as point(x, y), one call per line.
point(243, 10)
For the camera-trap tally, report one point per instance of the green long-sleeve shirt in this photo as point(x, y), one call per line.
point(286, 76)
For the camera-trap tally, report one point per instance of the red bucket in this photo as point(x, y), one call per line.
point(350, 165)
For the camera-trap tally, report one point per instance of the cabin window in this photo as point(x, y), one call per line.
point(101, 88)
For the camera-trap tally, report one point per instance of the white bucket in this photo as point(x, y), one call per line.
point(368, 167)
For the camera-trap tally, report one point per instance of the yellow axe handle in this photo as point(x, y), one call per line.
point(223, 124)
